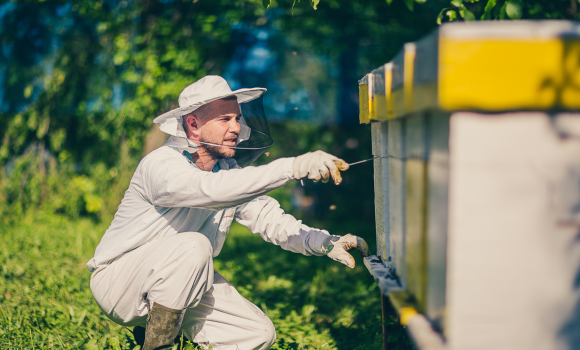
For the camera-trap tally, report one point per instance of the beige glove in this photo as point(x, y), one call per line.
point(319, 165)
point(337, 248)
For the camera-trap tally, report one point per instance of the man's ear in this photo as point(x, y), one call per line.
point(192, 125)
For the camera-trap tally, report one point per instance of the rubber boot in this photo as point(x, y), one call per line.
point(139, 335)
point(163, 325)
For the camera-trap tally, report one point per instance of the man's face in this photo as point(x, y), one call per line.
point(220, 126)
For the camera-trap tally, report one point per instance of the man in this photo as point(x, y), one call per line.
point(154, 267)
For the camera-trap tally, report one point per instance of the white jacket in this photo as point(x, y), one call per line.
point(168, 194)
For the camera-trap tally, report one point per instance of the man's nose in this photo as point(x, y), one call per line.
point(235, 126)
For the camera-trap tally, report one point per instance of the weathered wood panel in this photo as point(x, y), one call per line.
point(437, 189)
point(415, 208)
point(396, 144)
point(381, 180)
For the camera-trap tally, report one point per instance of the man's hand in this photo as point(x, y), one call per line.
point(337, 248)
point(319, 165)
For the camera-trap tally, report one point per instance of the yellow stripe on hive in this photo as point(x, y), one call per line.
point(389, 89)
point(371, 96)
point(509, 74)
point(408, 70)
point(379, 108)
point(363, 99)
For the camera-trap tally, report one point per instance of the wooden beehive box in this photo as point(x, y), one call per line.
point(477, 188)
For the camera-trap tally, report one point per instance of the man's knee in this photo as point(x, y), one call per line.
point(266, 335)
point(184, 271)
point(195, 240)
point(190, 260)
point(194, 248)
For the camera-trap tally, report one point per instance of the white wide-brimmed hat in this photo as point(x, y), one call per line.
point(203, 91)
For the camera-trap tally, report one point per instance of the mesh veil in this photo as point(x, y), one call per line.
point(249, 150)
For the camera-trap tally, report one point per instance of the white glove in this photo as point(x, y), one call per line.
point(337, 248)
point(319, 165)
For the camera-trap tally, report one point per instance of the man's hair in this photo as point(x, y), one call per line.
point(204, 111)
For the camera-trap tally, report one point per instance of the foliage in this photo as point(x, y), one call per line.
point(470, 10)
point(59, 189)
point(84, 77)
point(80, 83)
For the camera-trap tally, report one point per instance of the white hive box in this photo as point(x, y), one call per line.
point(478, 185)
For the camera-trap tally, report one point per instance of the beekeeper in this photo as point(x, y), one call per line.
point(154, 265)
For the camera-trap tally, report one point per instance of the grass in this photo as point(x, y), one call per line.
point(46, 302)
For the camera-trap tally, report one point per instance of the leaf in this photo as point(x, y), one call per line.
point(293, 3)
point(28, 91)
point(514, 9)
point(314, 3)
point(488, 9)
point(502, 13)
point(457, 3)
point(114, 343)
point(266, 3)
point(409, 4)
point(466, 14)
point(82, 317)
point(452, 14)
point(440, 17)
point(92, 345)
point(449, 12)
point(389, 2)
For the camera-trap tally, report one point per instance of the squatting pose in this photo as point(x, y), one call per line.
point(153, 268)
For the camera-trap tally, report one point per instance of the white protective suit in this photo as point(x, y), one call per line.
point(173, 219)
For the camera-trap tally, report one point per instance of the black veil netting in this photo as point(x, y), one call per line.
point(247, 151)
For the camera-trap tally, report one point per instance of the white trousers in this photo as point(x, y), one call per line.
point(177, 272)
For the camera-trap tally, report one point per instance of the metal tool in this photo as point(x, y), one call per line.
point(362, 161)
point(351, 164)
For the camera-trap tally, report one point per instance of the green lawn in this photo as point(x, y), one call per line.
point(46, 303)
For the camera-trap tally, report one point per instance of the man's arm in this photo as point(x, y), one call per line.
point(264, 216)
point(173, 182)
point(169, 180)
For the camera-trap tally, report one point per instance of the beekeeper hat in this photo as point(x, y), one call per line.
point(254, 137)
point(203, 91)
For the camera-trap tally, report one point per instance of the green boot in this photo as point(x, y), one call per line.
point(163, 325)
point(139, 335)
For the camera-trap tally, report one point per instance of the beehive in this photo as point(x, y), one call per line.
point(477, 188)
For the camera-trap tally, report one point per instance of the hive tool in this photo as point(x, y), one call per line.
point(362, 161)
point(351, 164)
